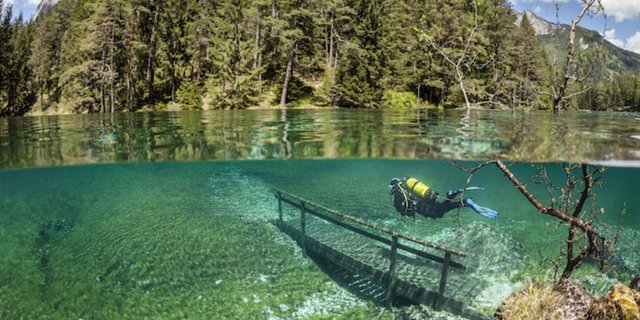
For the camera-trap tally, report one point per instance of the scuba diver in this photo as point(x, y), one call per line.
point(411, 196)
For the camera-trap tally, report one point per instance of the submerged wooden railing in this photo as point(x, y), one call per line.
point(361, 227)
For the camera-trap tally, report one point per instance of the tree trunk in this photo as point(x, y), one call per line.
point(102, 93)
point(257, 62)
point(287, 77)
point(111, 68)
point(461, 83)
point(129, 95)
point(331, 38)
point(152, 55)
point(566, 71)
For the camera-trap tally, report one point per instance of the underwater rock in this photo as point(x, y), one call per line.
point(635, 283)
point(577, 300)
point(490, 251)
point(621, 302)
point(535, 300)
point(568, 300)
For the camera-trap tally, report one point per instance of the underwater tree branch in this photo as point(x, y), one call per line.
point(595, 242)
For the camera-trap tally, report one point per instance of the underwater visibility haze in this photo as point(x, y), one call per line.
point(173, 215)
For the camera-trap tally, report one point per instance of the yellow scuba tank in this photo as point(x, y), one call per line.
point(418, 188)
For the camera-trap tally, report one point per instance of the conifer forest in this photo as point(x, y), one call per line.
point(88, 56)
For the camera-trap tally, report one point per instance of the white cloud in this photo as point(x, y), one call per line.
point(622, 9)
point(610, 35)
point(537, 9)
point(633, 43)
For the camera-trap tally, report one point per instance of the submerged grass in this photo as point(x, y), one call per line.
point(193, 240)
point(147, 253)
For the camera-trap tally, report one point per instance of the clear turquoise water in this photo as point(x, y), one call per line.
point(193, 239)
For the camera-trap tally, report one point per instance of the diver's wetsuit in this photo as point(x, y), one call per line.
point(429, 208)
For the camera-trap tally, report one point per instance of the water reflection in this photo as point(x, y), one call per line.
point(272, 134)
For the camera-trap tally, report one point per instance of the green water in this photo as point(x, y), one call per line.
point(145, 238)
point(194, 240)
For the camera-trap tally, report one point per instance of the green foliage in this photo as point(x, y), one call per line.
point(189, 95)
point(297, 90)
point(621, 93)
point(398, 100)
point(359, 78)
point(116, 55)
point(16, 89)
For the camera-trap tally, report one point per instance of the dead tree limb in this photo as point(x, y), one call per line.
point(568, 69)
point(582, 235)
point(459, 64)
point(595, 242)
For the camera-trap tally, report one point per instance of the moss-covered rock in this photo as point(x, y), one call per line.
point(535, 301)
point(621, 302)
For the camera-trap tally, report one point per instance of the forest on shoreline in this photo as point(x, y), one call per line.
point(90, 56)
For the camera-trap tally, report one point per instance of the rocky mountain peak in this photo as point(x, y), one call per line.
point(541, 26)
point(44, 7)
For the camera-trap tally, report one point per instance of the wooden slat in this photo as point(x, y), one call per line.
point(376, 237)
point(373, 226)
point(380, 262)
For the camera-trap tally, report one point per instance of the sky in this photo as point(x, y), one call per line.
point(27, 7)
point(622, 25)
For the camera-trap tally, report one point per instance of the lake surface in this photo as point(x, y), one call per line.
point(612, 138)
point(170, 215)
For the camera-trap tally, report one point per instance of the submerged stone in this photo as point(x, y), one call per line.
point(576, 300)
point(621, 302)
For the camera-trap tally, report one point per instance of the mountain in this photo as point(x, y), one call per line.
point(597, 56)
point(44, 7)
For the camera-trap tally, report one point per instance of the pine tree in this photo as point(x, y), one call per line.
point(232, 86)
point(533, 69)
point(21, 93)
point(6, 52)
point(295, 39)
point(359, 76)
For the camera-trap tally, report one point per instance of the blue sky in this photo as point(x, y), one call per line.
point(622, 23)
point(27, 7)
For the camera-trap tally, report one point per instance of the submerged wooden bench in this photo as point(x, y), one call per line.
point(421, 271)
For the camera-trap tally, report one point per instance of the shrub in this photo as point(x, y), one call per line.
point(189, 95)
point(398, 100)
